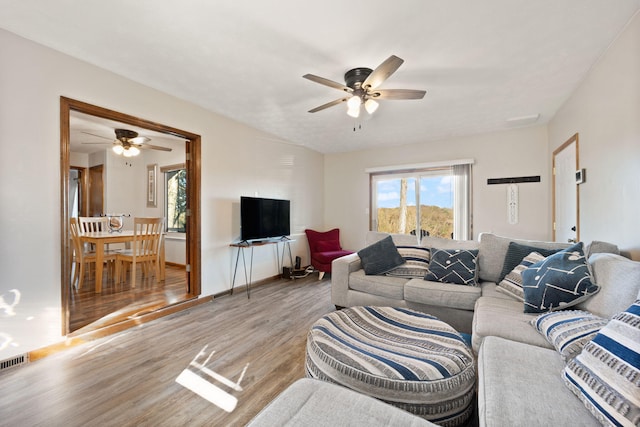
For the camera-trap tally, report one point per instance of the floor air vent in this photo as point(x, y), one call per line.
point(14, 361)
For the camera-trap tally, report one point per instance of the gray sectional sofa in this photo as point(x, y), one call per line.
point(350, 286)
point(520, 371)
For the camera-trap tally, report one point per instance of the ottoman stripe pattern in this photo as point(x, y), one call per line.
point(406, 358)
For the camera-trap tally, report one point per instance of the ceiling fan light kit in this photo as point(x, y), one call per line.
point(130, 151)
point(353, 105)
point(371, 106)
point(361, 84)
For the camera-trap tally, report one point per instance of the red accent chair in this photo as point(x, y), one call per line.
point(324, 248)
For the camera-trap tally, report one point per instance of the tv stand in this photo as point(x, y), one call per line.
point(244, 244)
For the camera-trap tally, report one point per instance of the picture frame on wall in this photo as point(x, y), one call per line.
point(152, 188)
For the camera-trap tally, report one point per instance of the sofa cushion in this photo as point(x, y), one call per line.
point(512, 283)
point(559, 281)
point(568, 330)
point(309, 402)
point(493, 250)
point(457, 266)
point(380, 285)
point(399, 239)
point(490, 289)
point(380, 257)
point(441, 294)
point(504, 318)
point(619, 281)
point(517, 252)
point(439, 242)
point(521, 385)
point(416, 262)
point(598, 247)
point(606, 375)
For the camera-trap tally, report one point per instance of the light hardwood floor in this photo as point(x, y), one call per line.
point(128, 379)
point(88, 310)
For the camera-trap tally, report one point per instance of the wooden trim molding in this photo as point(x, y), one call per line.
point(193, 164)
point(567, 143)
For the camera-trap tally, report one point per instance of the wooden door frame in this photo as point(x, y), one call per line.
point(193, 164)
point(91, 193)
point(567, 143)
point(83, 208)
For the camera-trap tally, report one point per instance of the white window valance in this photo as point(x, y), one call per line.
point(418, 166)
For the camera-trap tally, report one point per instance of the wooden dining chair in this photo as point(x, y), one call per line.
point(93, 223)
point(82, 257)
point(145, 250)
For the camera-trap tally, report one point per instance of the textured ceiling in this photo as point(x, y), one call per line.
point(481, 62)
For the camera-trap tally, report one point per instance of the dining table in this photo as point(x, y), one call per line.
point(100, 239)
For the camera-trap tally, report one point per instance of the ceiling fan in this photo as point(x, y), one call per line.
point(128, 143)
point(362, 87)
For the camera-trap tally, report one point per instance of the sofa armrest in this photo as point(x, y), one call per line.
point(340, 270)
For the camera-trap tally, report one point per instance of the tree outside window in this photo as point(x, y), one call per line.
point(176, 197)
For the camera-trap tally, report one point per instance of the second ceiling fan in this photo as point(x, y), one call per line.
point(361, 87)
point(128, 142)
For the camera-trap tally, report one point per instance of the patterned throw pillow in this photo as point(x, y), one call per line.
point(568, 330)
point(453, 266)
point(512, 283)
point(380, 257)
point(606, 375)
point(559, 281)
point(416, 262)
point(516, 253)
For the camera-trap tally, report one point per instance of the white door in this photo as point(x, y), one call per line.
point(566, 219)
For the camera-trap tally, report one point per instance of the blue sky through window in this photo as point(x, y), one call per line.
point(435, 191)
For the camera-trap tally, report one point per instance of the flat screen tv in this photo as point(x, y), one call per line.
point(262, 218)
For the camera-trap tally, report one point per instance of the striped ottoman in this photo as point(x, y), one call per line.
point(403, 357)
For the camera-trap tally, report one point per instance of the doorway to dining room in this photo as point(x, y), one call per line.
point(86, 309)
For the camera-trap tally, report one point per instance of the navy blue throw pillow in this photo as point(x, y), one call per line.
point(559, 281)
point(516, 253)
point(453, 266)
point(380, 257)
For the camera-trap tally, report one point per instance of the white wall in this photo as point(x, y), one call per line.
point(512, 153)
point(605, 112)
point(236, 160)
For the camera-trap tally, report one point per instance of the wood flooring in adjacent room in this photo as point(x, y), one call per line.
point(89, 311)
point(128, 379)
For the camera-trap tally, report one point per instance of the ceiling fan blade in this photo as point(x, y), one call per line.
point(95, 143)
point(153, 147)
point(139, 140)
point(98, 136)
point(327, 82)
point(382, 72)
point(328, 104)
point(397, 94)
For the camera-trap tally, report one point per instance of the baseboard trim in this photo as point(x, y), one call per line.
point(243, 288)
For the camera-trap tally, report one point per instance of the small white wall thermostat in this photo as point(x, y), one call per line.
point(581, 176)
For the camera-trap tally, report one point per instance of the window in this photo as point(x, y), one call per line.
point(175, 197)
point(442, 191)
